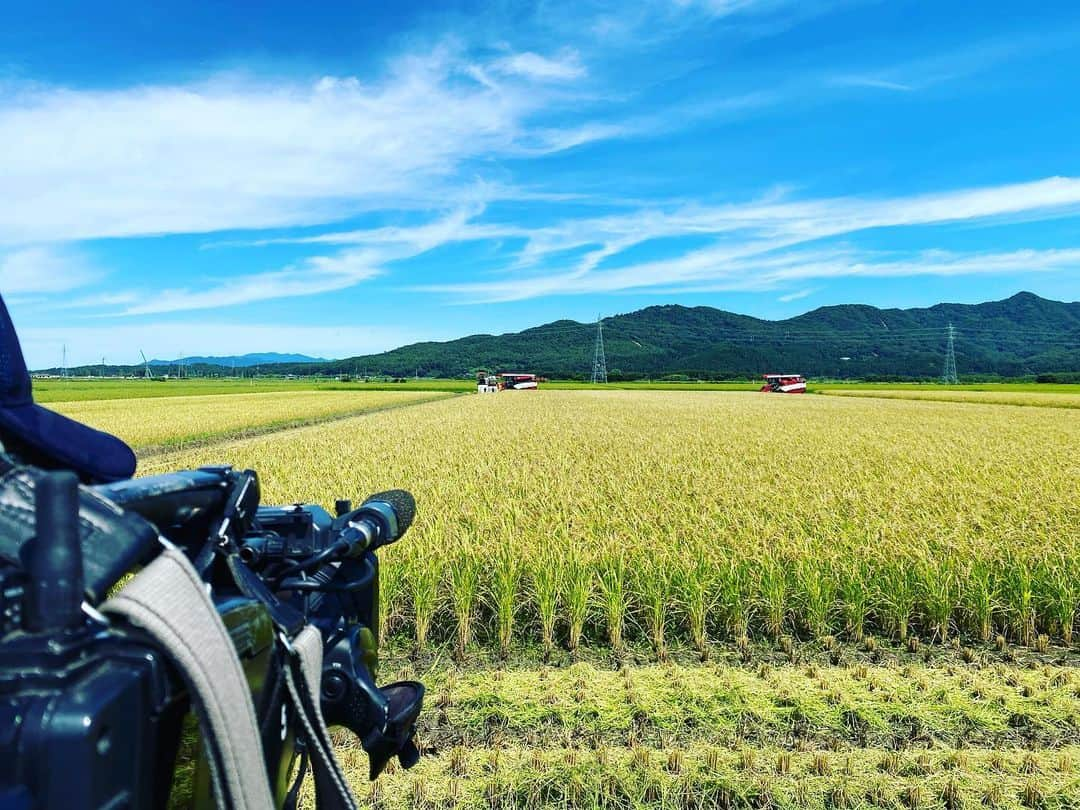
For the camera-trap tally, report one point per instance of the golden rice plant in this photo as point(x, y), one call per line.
point(503, 589)
point(666, 518)
point(612, 596)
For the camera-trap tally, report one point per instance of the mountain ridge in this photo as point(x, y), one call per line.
point(1016, 336)
point(242, 360)
point(1022, 334)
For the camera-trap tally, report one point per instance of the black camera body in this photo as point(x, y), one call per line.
point(92, 712)
point(95, 718)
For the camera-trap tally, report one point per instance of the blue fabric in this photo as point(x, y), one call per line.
point(60, 441)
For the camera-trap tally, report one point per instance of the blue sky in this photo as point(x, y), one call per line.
point(342, 180)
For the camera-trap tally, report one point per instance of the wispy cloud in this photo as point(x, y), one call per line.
point(870, 81)
point(759, 245)
point(950, 64)
point(764, 274)
point(435, 139)
point(44, 269)
point(534, 66)
point(374, 250)
point(728, 8)
point(240, 152)
point(315, 275)
point(756, 245)
point(798, 295)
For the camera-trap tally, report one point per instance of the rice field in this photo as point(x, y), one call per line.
point(608, 518)
point(177, 421)
point(1034, 399)
point(636, 599)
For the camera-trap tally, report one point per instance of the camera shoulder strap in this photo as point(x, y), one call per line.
point(169, 601)
point(304, 676)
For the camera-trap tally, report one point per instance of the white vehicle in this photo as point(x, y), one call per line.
point(487, 383)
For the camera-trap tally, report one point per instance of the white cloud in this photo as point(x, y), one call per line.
point(375, 249)
point(42, 269)
point(754, 244)
point(724, 8)
point(873, 82)
point(769, 273)
point(318, 274)
point(797, 295)
point(534, 66)
point(237, 152)
point(705, 271)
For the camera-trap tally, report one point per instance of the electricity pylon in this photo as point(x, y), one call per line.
point(949, 375)
point(599, 364)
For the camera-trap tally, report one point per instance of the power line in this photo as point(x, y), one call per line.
point(599, 366)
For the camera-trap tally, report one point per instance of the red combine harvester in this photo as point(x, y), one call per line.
point(518, 382)
point(784, 384)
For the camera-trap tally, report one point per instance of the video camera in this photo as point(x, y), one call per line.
point(96, 697)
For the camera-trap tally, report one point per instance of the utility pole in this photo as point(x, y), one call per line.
point(599, 364)
point(949, 375)
point(102, 366)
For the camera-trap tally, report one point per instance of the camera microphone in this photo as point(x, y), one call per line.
point(379, 521)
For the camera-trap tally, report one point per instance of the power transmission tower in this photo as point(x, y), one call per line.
point(63, 363)
point(599, 363)
point(949, 375)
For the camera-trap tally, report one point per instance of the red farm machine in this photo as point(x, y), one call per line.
point(784, 384)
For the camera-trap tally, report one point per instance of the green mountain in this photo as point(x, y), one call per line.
point(1022, 335)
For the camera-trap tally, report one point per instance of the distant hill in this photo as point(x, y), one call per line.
point(1022, 335)
point(243, 360)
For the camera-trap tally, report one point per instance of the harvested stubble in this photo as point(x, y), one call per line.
point(705, 777)
point(175, 421)
point(886, 707)
point(701, 516)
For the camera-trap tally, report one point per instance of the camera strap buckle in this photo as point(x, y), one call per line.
point(286, 644)
point(285, 617)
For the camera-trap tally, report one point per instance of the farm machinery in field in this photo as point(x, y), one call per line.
point(784, 384)
point(505, 381)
